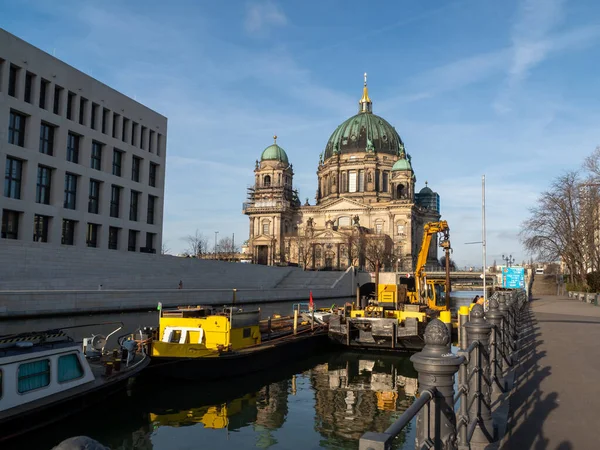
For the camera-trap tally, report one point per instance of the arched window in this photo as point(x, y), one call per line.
point(400, 191)
point(267, 181)
point(379, 226)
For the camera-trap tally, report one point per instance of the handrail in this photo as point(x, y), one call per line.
point(414, 409)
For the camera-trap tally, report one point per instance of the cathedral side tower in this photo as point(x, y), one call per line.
point(270, 206)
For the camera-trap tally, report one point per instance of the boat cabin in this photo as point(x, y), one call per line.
point(31, 370)
point(204, 331)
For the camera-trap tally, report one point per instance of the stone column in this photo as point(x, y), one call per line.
point(437, 367)
point(478, 371)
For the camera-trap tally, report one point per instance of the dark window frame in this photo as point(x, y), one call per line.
point(13, 177)
point(56, 101)
point(68, 232)
point(13, 231)
point(113, 238)
point(29, 80)
point(151, 209)
point(73, 143)
point(132, 240)
point(70, 199)
point(16, 128)
point(136, 166)
point(43, 188)
point(96, 156)
point(47, 132)
point(70, 100)
point(152, 172)
point(117, 166)
point(115, 200)
point(41, 224)
point(91, 235)
point(94, 197)
point(134, 205)
point(13, 80)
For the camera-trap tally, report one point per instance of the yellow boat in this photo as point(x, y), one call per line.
point(203, 342)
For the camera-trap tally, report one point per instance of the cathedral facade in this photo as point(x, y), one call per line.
point(367, 212)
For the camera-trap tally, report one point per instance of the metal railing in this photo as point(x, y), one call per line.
point(488, 342)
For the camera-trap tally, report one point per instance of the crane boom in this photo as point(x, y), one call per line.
point(429, 230)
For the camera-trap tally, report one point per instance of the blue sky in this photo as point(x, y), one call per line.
point(507, 88)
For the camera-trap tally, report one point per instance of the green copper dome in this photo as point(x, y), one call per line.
point(364, 132)
point(274, 153)
point(402, 164)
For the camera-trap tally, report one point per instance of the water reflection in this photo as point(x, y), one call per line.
point(328, 401)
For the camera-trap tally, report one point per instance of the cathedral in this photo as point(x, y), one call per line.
point(367, 212)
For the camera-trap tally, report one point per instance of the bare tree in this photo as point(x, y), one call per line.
point(197, 244)
point(164, 250)
point(556, 227)
point(303, 246)
point(227, 248)
point(378, 252)
point(453, 264)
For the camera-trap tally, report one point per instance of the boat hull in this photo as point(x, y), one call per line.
point(233, 364)
point(37, 416)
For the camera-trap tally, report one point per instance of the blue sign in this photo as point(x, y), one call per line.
point(513, 277)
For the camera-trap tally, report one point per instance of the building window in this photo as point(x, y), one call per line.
point(13, 75)
point(70, 191)
point(40, 228)
point(96, 162)
point(159, 139)
point(150, 241)
point(400, 230)
point(46, 139)
point(135, 168)
point(378, 227)
point(44, 180)
point(134, 128)
point(105, 113)
point(68, 232)
point(12, 178)
point(384, 181)
point(361, 181)
point(43, 100)
point(152, 174)
point(70, 105)
point(352, 181)
point(344, 183)
point(265, 228)
point(69, 368)
point(115, 125)
point(377, 189)
point(29, 77)
point(10, 224)
point(143, 138)
point(57, 94)
point(132, 241)
point(113, 238)
point(151, 205)
point(150, 140)
point(267, 181)
point(82, 106)
point(91, 238)
point(124, 129)
point(95, 108)
point(94, 197)
point(115, 198)
point(73, 147)
point(117, 162)
point(133, 206)
point(33, 375)
point(16, 129)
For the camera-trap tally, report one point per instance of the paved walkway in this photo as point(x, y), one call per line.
point(556, 403)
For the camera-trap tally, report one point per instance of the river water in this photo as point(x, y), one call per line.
point(327, 401)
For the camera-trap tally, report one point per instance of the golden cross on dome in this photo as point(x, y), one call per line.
point(275, 138)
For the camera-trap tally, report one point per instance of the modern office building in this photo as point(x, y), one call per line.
point(84, 164)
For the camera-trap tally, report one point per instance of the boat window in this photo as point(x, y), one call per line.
point(34, 375)
point(175, 337)
point(69, 368)
point(247, 333)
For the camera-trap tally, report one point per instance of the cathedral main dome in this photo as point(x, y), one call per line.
point(364, 132)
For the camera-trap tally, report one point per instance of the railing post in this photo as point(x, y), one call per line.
point(478, 330)
point(436, 367)
point(505, 342)
point(463, 318)
point(494, 318)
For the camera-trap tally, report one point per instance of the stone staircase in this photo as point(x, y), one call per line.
point(543, 285)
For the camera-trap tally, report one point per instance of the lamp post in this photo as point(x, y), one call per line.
point(509, 260)
point(216, 232)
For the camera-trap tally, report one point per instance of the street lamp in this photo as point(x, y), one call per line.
point(509, 260)
point(216, 232)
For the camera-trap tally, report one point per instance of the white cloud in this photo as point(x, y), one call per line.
point(260, 16)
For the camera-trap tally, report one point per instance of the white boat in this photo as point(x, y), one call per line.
point(46, 376)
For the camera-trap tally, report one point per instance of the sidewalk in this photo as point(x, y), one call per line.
point(556, 402)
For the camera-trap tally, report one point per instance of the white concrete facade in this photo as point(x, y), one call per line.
point(43, 91)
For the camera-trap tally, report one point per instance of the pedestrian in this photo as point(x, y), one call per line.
point(180, 284)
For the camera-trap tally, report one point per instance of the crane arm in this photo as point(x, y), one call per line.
point(429, 230)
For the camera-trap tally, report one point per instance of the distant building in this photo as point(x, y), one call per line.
point(84, 165)
point(366, 198)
